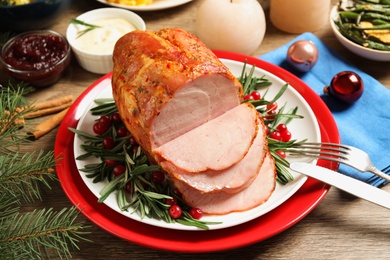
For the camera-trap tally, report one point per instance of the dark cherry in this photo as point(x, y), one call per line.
point(347, 86)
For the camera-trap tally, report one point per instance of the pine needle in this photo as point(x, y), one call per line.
point(41, 233)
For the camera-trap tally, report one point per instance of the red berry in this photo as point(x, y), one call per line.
point(128, 187)
point(281, 153)
point(110, 162)
point(248, 97)
point(121, 131)
point(270, 115)
point(175, 211)
point(272, 106)
point(196, 213)
point(99, 128)
point(171, 202)
point(285, 136)
point(266, 129)
point(256, 95)
point(118, 169)
point(282, 127)
point(276, 135)
point(108, 142)
point(158, 177)
point(177, 193)
point(105, 120)
point(116, 118)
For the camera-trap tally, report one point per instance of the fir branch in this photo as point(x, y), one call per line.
point(20, 175)
point(41, 233)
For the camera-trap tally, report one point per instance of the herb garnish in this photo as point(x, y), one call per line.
point(89, 26)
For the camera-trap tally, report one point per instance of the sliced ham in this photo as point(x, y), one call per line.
point(215, 145)
point(167, 83)
point(223, 203)
point(230, 180)
point(184, 108)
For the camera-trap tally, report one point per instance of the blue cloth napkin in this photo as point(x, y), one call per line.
point(364, 124)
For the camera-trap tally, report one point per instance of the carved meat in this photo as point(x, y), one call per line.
point(215, 145)
point(167, 83)
point(230, 180)
point(223, 203)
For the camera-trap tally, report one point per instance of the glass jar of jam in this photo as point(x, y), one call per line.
point(36, 57)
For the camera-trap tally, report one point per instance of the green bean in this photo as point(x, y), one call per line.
point(376, 27)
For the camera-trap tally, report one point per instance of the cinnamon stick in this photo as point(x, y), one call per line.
point(47, 111)
point(47, 125)
point(53, 103)
point(50, 106)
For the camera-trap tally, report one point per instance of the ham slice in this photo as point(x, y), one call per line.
point(215, 145)
point(167, 83)
point(230, 180)
point(223, 203)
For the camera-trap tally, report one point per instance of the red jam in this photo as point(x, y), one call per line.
point(36, 52)
point(39, 57)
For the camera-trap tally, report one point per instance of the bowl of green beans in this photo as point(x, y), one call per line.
point(363, 27)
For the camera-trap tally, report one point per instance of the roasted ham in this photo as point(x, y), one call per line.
point(184, 108)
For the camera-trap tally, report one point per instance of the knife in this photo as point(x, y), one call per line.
point(344, 182)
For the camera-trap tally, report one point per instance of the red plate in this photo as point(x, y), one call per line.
point(268, 225)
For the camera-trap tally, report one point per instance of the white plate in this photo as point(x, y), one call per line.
point(156, 5)
point(306, 128)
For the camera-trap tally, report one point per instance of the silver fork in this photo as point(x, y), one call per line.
point(341, 153)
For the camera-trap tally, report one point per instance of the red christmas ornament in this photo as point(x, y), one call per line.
point(347, 86)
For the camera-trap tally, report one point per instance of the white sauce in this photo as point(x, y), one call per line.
point(102, 40)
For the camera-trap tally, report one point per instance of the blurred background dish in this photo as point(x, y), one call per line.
point(33, 16)
point(365, 52)
point(93, 49)
point(155, 5)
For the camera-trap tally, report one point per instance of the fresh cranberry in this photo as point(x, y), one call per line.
point(196, 213)
point(175, 211)
point(105, 120)
point(281, 153)
point(170, 202)
point(99, 128)
point(118, 169)
point(276, 135)
point(158, 177)
point(256, 95)
point(248, 97)
point(108, 142)
point(282, 128)
point(110, 162)
point(121, 131)
point(116, 118)
point(270, 115)
point(285, 136)
point(177, 193)
point(272, 106)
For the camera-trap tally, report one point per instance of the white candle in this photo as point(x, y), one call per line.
point(231, 25)
point(298, 16)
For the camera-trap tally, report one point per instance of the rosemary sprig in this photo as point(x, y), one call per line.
point(135, 189)
point(251, 83)
point(89, 26)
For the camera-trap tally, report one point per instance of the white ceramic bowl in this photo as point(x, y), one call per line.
point(97, 62)
point(364, 52)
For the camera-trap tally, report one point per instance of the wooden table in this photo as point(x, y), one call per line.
point(340, 227)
